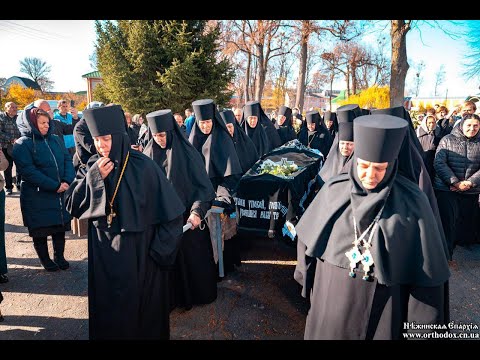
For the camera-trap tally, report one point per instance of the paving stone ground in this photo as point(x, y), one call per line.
point(260, 301)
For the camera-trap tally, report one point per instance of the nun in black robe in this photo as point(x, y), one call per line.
point(316, 136)
point(284, 125)
point(253, 108)
point(134, 229)
point(370, 292)
point(217, 151)
point(257, 134)
point(247, 154)
point(195, 270)
point(336, 163)
point(220, 157)
point(246, 151)
point(331, 116)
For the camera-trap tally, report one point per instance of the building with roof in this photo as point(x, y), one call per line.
point(23, 82)
point(93, 79)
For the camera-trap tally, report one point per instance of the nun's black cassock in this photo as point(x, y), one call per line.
point(253, 108)
point(84, 147)
point(195, 269)
point(217, 150)
point(129, 262)
point(257, 134)
point(331, 116)
point(336, 163)
point(320, 138)
point(409, 280)
point(246, 151)
point(411, 162)
point(285, 131)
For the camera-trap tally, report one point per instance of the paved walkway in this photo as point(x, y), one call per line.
point(259, 301)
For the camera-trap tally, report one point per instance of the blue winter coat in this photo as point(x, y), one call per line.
point(43, 162)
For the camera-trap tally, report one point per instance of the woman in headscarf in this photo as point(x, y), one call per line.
point(254, 109)
point(47, 170)
point(134, 230)
point(284, 125)
point(316, 136)
point(195, 270)
point(457, 181)
point(246, 151)
point(429, 135)
point(395, 271)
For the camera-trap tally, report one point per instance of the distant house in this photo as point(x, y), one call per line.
point(93, 79)
point(23, 82)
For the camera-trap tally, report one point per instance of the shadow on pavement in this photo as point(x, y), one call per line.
point(43, 328)
point(32, 276)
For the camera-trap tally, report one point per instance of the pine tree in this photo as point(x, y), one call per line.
point(148, 65)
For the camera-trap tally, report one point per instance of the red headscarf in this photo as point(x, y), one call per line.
point(33, 117)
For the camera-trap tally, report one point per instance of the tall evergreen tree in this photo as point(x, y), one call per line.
point(148, 65)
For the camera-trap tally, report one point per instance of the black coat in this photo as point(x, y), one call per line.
point(457, 158)
point(43, 162)
point(84, 146)
point(429, 142)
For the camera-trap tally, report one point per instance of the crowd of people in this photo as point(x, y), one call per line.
point(405, 196)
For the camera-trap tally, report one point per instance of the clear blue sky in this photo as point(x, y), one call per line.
point(429, 42)
point(67, 44)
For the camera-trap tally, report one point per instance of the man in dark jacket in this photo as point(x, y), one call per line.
point(8, 134)
point(59, 128)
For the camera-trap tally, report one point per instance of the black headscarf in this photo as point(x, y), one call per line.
point(255, 108)
point(128, 203)
point(216, 148)
point(285, 131)
point(181, 162)
point(246, 151)
point(406, 246)
point(319, 138)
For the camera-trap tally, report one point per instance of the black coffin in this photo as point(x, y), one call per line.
point(264, 201)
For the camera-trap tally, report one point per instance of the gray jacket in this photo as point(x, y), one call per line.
point(3, 166)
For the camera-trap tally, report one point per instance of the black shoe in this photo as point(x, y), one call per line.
point(58, 249)
point(61, 262)
point(40, 246)
point(9, 191)
point(3, 279)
